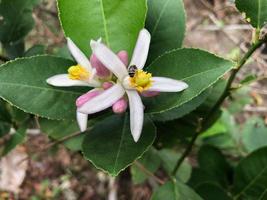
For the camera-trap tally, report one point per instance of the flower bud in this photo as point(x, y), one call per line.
point(87, 97)
point(101, 70)
point(123, 55)
point(150, 93)
point(120, 106)
point(107, 85)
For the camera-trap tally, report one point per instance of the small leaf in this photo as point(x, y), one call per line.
point(254, 134)
point(110, 146)
point(150, 160)
point(116, 22)
point(35, 50)
point(199, 69)
point(250, 180)
point(15, 139)
point(255, 10)
point(166, 23)
point(175, 191)
point(23, 84)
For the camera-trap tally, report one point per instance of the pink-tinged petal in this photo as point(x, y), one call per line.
point(123, 56)
point(82, 120)
point(87, 97)
point(107, 85)
point(103, 101)
point(62, 80)
point(120, 106)
point(150, 93)
point(79, 55)
point(141, 49)
point(136, 114)
point(109, 59)
point(101, 70)
point(161, 84)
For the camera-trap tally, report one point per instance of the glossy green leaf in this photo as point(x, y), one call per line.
point(23, 84)
point(166, 23)
point(250, 180)
point(110, 146)
point(15, 19)
point(35, 50)
point(254, 134)
point(211, 191)
point(61, 130)
point(150, 161)
point(255, 10)
point(199, 69)
point(175, 191)
point(116, 22)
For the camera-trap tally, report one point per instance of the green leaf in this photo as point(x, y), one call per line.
point(166, 23)
point(254, 134)
point(62, 129)
point(250, 180)
point(175, 191)
point(23, 84)
point(169, 159)
point(150, 160)
point(116, 22)
point(35, 50)
point(211, 191)
point(255, 10)
point(199, 69)
point(15, 19)
point(15, 139)
point(110, 146)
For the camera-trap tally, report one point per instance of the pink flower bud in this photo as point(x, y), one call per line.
point(123, 55)
point(150, 93)
point(101, 70)
point(107, 85)
point(120, 106)
point(87, 97)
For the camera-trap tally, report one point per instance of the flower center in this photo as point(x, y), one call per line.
point(141, 80)
point(78, 72)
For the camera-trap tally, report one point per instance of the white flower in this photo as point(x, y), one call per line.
point(81, 74)
point(139, 81)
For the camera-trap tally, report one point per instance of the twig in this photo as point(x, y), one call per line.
point(146, 171)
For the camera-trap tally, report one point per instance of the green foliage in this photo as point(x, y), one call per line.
point(199, 69)
point(255, 11)
point(28, 76)
point(61, 130)
point(166, 23)
point(110, 145)
point(175, 190)
point(116, 22)
point(250, 178)
point(254, 134)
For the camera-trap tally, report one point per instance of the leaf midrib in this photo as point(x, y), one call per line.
point(251, 183)
point(40, 88)
point(104, 22)
point(119, 149)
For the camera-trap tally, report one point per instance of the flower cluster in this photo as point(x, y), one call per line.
point(116, 82)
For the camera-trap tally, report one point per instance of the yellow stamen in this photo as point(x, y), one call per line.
point(141, 80)
point(78, 72)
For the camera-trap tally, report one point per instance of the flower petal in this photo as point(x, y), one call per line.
point(109, 59)
point(62, 80)
point(141, 49)
point(87, 97)
point(79, 55)
point(136, 114)
point(161, 84)
point(101, 70)
point(82, 121)
point(123, 56)
point(102, 101)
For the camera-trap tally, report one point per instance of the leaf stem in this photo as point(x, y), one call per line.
point(225, 94)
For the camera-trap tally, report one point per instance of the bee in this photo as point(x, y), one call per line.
point(131, 71)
